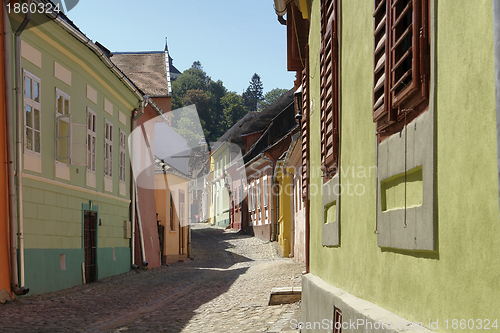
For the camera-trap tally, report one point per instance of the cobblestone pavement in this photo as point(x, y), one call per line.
point(224, 289)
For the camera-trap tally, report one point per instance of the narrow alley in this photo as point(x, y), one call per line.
point(224, 289)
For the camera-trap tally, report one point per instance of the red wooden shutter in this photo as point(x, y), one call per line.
point(400, 60)
point(305, 127)
point(380, 71)
point(329, 71)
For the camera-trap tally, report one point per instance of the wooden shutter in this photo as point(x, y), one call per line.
point(297, 38)
point(305, 127)
point(400, 60)
point(380, 94)
point(329, 70)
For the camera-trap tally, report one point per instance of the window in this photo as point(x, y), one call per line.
point(108, 149)
point(123, 155)
point(329, 86)
point(240, 202)
point(257, 193)
point(91, 139)
point(304, 129)
point(401, 61)
point(181, 208)
point(264, 186)
point(236, 192)
point(32, 115)
point(252, 196)
point(172, 226)
point(63, 125)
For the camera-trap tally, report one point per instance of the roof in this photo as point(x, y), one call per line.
point(163, 167)
point(256, 121)
point(147, 70)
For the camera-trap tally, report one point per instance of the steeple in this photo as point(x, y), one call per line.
point(166, 45)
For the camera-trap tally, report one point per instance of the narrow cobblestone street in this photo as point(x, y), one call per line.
point(224, 289)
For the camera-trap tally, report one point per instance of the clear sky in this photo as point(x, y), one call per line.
point(233, 39)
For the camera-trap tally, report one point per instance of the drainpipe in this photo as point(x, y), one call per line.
point(137, 210)
point(14, 276)
point(19, 160)
point(132, 189)
point(141, 233)
point(273, 236)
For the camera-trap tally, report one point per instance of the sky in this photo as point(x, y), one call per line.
point(233, 39)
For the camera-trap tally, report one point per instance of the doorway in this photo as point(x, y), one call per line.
point(90, 245)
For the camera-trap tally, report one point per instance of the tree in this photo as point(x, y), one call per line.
point(193, 78)
point(234, 109)
point(254, 93)
point(202, 102)
point(270, 97)
point(217, 108)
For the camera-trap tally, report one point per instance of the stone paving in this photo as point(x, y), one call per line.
point(224, 289)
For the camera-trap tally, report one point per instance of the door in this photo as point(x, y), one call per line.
point(90, 245)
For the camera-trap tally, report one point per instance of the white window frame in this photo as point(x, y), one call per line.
point(265, 191)
point(34, 105)
point(123, 156)
point(62, 115)
point(91, 139)
point(108, 148)
point(257, 194)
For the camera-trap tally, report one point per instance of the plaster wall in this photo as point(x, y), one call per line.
point(53, 201)
point(458, 278)
point(5, 284)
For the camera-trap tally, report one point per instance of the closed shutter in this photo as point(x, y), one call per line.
point(380, 59)
point(401, 60)
point(305, 127)
point(329, 87)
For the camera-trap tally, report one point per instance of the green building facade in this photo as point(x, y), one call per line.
point(407, 229)
point(76, 166)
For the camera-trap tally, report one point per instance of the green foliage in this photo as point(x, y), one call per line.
point(217, 108)
point(234, 109)
point(254, 93)
point(270, 97)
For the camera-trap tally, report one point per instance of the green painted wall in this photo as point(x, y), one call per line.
point(43, 269)
point(52, 207)
point(461, 278)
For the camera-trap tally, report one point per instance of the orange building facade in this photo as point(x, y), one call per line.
point(5, 283)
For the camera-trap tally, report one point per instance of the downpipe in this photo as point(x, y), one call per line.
point(19, 149)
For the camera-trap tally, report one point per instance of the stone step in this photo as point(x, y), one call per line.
point(285, 295)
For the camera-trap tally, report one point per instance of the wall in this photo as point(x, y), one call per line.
point(54, 202)
point(146, 194)
point(459, 279)
point(5, 283)
point(285, 210)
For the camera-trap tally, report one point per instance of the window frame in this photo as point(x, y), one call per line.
point(91, 134)
point(122, 171)
point(265, 191)
point(108, 143)
point(393, 109)
point(65, 117)
point(329, 88)
point(34, 105)
point(181, 212)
